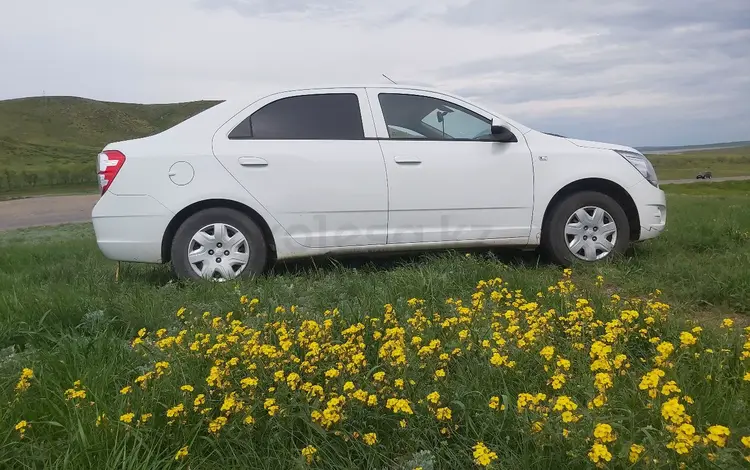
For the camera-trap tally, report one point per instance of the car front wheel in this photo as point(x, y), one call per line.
point(218, 244)
point(587, 226)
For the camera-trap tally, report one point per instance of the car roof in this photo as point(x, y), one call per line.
point(243, 100)
point(262, 91)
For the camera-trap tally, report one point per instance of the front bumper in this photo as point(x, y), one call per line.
point(130, 228)
point(651, 203)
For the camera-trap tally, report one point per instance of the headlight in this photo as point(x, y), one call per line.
point(641, 164)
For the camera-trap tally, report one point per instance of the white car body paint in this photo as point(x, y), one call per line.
point(347, 196)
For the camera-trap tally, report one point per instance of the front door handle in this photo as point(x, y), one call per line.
point(253, 161)
point(407, 160)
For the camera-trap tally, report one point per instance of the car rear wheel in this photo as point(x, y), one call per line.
point(218, 244)
point(586, 227)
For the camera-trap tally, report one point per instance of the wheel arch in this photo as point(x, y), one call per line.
point(604, 186)
point(185, 213)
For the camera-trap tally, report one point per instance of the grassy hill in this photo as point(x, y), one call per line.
point(54, 140)
point(728, 161)
point(688, 148)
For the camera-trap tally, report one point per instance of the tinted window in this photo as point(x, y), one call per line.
point(324, 116)
point(242, 131)
point(415, 117)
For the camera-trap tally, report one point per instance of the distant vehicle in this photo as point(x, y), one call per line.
point(706, 175)
point(353, 169)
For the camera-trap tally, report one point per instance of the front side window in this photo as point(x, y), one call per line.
point(424, 117)
point(334, 116)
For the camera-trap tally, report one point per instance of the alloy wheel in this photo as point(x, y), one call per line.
point(218, 252)
point(591, 233)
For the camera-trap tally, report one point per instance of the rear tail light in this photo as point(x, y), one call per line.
point(110, 162)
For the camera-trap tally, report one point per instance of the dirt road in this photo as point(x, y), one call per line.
point(712, 180)
point(47, 210)
point(53, 210)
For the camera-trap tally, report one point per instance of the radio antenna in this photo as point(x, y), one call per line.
point(386, 76)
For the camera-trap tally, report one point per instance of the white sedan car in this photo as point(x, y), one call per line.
point(316, 171)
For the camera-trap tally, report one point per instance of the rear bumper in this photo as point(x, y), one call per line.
point(651, 203)
point(130, 228)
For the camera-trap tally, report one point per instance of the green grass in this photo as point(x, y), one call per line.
point(723, 188)
point(701, 263)
point(720, 162)
point(63, 313)
point(69, 190)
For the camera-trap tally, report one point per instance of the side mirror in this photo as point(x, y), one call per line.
point(501, 131)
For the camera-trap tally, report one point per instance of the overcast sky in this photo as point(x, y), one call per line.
point(637, 72)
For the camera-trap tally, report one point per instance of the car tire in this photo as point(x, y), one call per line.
point(238, 249)
point(562, 232)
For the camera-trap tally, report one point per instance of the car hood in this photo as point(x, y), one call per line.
point(601, 145)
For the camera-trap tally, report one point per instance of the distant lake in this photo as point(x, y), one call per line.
point(690, 149)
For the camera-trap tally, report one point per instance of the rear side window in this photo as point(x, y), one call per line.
point(334, 116)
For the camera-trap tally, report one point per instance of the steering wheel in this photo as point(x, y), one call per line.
point(482, 135)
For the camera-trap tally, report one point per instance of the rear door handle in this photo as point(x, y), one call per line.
point(407, 160)
point(253, 161)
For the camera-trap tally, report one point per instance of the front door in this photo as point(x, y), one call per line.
point(311, 159)
point(447, 181)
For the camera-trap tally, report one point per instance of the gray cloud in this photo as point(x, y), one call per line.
point(638, 72)
point(694, 57)
point(275, 7)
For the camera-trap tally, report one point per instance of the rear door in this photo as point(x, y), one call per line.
point(306, 157)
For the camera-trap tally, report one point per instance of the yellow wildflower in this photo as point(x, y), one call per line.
point(24, 383)
point(21, 427)
point(176, 411)
point(399, 405)
point(670, 387)
point(495, 404)
point(182, 453)
point(599, 454)
point(603, 381)
point(687, 339)
point(547, 352)
point(308, 453)
point(443, 414)
point(270, 406)
point(718, 435)
point(603, 432)
point(674, 412)
point(483, 456)
point(635, 452)
point(215, 426)
point(557, 381)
